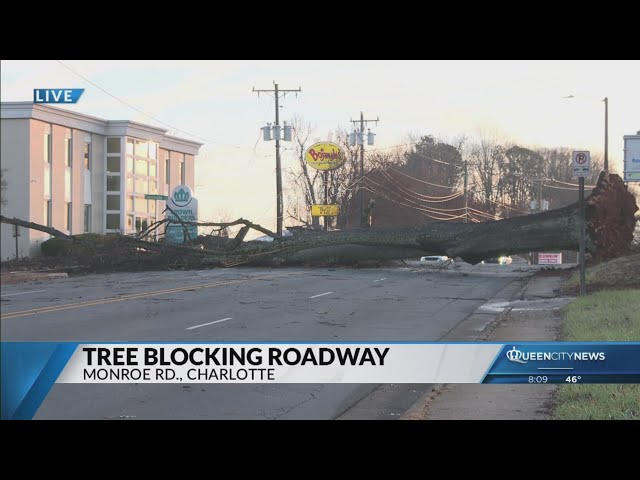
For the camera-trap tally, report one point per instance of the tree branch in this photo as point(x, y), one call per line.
point(36, 226)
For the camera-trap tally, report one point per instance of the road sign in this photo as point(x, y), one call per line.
point(185, 206)
point(632, 158)
point(581, 164)
point(549, 258)
point(325, 210)
point(150, 196)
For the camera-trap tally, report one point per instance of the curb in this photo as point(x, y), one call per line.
point(417, 409)
point(12, 278)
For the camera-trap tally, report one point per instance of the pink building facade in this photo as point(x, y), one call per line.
point(82, 174)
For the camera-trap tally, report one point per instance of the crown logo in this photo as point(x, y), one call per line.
point(181, 196)
point(515, 355)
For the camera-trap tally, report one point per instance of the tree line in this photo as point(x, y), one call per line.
point(423, 180)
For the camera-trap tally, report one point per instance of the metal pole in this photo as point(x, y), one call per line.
point(583, 286)
point(278, 173)
point(326, 198)
point(16, 233)
point(466, 211)
point(362, 222)
point(606, 134)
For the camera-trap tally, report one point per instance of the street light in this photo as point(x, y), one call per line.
point(606, 130)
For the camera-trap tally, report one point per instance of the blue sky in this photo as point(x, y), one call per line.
point(235, 175)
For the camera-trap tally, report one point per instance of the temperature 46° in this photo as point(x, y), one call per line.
point(573, 379)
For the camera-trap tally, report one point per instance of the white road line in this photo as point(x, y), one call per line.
point(210, 323)
point(22, 293)
point(380, 279)
point(321, 295)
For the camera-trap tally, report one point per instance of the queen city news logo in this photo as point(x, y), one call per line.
point(518, 356)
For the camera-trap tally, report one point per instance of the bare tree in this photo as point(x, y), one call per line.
point(486, 155)
point(304, 181)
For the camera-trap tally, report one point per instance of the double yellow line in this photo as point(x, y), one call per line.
point(135, 296)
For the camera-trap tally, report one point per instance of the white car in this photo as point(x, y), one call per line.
point(434, 260)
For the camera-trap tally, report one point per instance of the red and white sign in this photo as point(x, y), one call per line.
point(549, 258)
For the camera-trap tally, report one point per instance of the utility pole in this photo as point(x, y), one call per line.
point(606, 133)
point(582, 239)
point(540, 196)
point(466, 208)
point(360, 139)
point(540, 185)
point(279, 202)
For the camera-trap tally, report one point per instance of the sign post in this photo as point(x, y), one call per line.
point(325, 156)
point(16, 233)
point(150, 196)
point(581, 169)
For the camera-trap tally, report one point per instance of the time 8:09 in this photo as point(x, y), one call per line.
point(538, 379)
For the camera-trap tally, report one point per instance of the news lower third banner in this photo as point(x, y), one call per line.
point(29, 369)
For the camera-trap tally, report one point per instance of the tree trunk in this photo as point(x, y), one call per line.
point(610, 217)
point(610, 221)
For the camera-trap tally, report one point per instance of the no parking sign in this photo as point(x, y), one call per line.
point(581, 164)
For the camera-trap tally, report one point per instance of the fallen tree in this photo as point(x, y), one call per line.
point(610, 221)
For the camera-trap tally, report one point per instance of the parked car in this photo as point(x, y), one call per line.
point(434, 259)
point(504, 260)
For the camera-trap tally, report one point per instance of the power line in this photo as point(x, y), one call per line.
point(419, 180)
point(420, 210)
point(428, 198)
point(425, 208)
point(131, 106)
point(572, 184)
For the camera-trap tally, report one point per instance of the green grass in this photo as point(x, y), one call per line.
point(612, 315)
point(622, 272)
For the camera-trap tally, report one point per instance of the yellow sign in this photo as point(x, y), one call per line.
point(325, 156)
point(325, 210)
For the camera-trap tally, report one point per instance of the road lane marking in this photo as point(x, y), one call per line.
point(135, 296)
point(321, 295)
point(380, 279)
point(22, 293)
point(210, 323)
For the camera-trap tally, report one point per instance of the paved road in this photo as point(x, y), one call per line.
point(250, 305)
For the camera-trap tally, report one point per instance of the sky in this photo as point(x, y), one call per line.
point(212, 102)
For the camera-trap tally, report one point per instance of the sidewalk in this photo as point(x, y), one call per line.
point(532, 318)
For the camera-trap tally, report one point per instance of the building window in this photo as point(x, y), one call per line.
point(67, 184)
point(113, 164)
point(87, 218)
point(113, 183)
point(166, 170)
point(67, 217)
point(182, 172)
point(68, 153)
point(113, 202)
point(47, 147)
point(87, 156)
point(47, 180)
point(113, 145)
point(47, 213)
point(142, 149)
point(113, 221)
point(130, 143)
